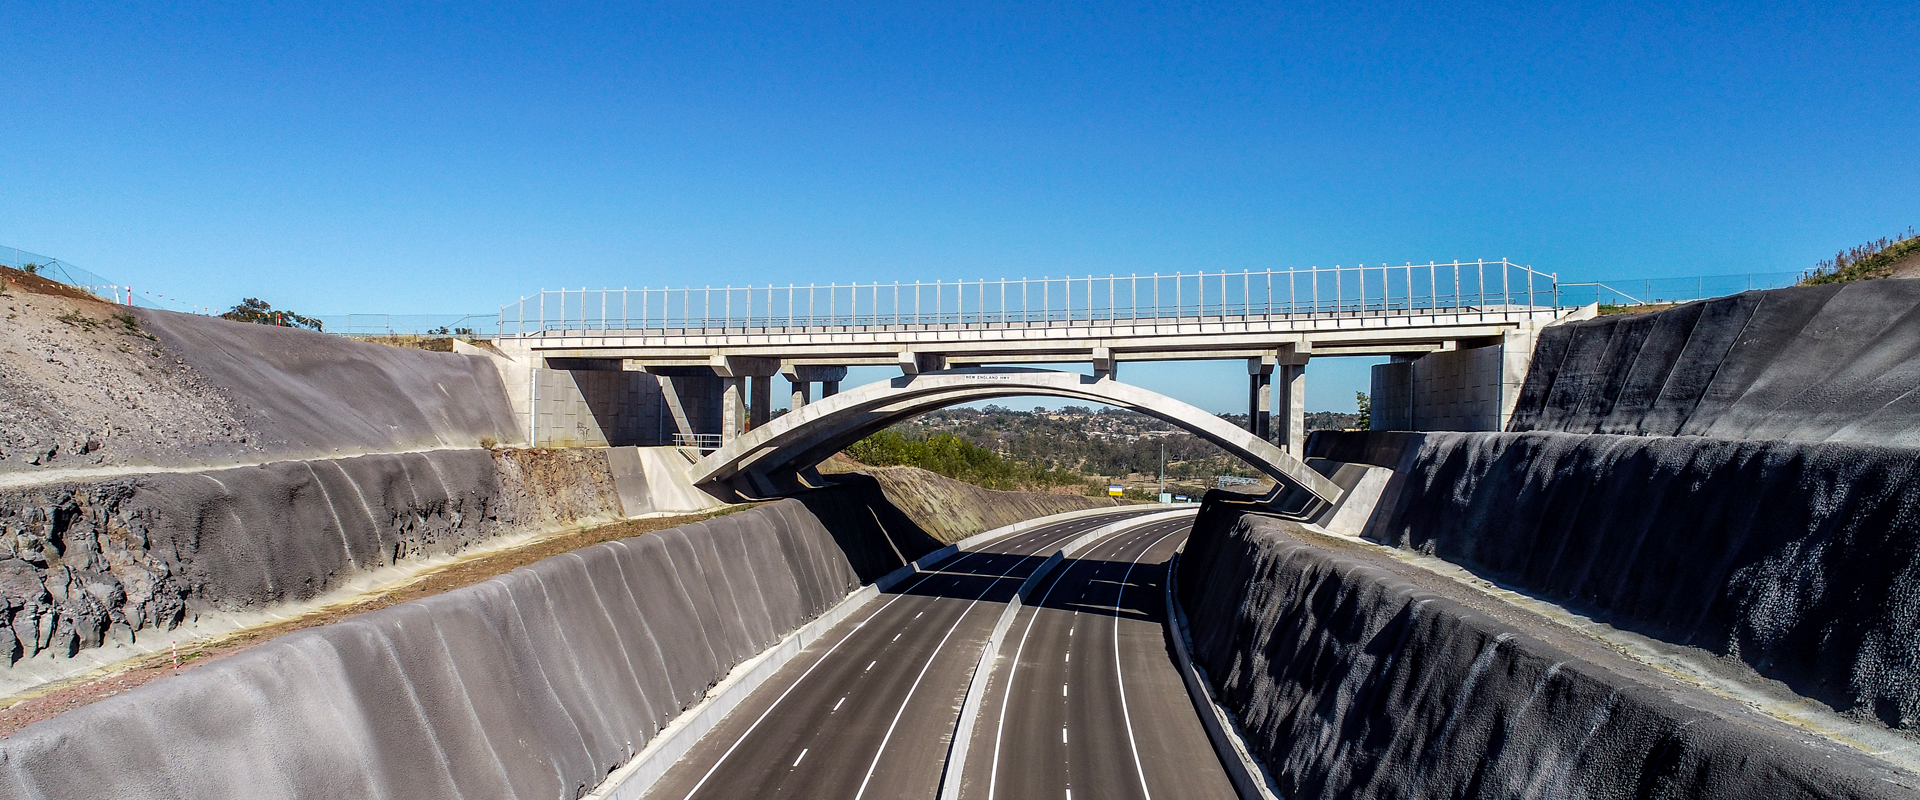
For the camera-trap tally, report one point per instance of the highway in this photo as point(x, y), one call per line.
point(868, 710)
point(1096, 708)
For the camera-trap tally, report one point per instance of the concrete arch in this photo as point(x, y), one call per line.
point(766, 460)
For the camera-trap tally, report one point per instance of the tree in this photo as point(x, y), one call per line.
point(1366, 410)
point(253, 309)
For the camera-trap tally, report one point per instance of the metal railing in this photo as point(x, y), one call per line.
point(705, 442)
point(1664, 291)
point(465, 326)
point(104, 288)
point(1434, 287)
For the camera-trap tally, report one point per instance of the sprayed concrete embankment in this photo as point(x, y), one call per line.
point(949, 510)
point(532, 685)
point(1798, 561)
point(1690, 569)
point(1836, 363)
point(1353, 679)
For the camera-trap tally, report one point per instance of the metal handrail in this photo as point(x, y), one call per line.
point(1471, 287)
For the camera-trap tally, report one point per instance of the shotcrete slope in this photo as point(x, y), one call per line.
point(1354, 679)
point(1797, 559)
point(532, 685)
point(90, 386)
point(1837, 363)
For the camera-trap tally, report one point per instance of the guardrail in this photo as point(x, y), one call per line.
point(1662, 291)
point(705, 442)
point(1458, 286)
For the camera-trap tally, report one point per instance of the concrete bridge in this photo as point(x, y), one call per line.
point(695, 366)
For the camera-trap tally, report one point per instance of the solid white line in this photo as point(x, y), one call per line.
point(910, 692)
point(803, 676)
point(1119, 679)
point(803, 754)
point(993, 775)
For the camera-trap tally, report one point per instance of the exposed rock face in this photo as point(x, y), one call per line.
point(1353, 681)
point(81, 560)
point(532, 685)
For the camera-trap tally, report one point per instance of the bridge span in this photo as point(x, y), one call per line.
point(695, 366)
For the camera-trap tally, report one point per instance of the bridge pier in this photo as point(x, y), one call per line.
point(1293, 409)
point(1259, 397)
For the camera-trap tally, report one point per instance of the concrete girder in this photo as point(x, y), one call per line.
point(803, 438)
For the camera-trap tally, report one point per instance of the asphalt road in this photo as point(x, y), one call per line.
point(1096, 707)
point(868, 710)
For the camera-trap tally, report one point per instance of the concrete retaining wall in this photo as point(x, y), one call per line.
point(1352, 681)
point(83, 562)
point(532, 685)
point(1827, 363)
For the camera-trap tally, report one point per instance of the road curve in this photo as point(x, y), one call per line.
point(869, 709)
point(1096, 707)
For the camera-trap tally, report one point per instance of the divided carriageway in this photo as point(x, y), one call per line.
point(1097, 708)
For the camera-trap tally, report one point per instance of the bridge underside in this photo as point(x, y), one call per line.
point(771, 459)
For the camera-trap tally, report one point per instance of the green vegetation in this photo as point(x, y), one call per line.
point(956, 458)
point(253, 309)
point(1366, 410)
point(1882, 258)
point(1071, 446)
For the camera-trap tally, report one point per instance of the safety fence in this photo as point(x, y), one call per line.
point(1452, 287)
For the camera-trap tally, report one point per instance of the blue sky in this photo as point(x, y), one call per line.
point(394, 158)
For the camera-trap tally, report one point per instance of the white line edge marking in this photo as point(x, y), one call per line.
point(1120, 679)
point(922, 577)
point(993, 775)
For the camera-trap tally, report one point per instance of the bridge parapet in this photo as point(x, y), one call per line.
point(1452, 288)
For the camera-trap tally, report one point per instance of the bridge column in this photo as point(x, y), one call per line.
point(733, 372)
point(732, 416)
point(762, 407)
point(1259, 396)
point(803, 376)
point(1293, 407)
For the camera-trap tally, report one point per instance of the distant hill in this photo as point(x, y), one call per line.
point(1111, 443)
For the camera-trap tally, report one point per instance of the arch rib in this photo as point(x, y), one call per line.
point(803, 438)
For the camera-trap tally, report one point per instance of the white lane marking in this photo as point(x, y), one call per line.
point(1119, 679)
point(869, 667)
point(1068, 659)
point(908, 700)
point(836, 703)
point(803, 676)
point(1069, 793)
point(796, 762)
point(917, 616)
point(999, 730)
point(896, 637)
point(1063, 690)
point(1063, 734)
